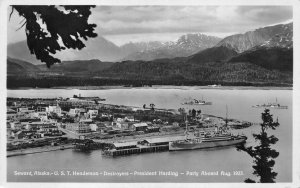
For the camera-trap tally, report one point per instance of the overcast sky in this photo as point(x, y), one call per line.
point(122, 24)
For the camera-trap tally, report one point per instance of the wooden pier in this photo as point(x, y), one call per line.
point(87, 145)
point(137, 150)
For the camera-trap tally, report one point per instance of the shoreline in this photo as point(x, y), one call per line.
point(37, 150)
point(160, 87)
point(127, 138)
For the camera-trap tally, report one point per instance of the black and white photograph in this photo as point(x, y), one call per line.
point(149, 93)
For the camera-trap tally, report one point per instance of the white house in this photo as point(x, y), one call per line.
point(129, 118)
point(75, 111)
point(54, 109)
point(92, 113)
point(94, 127)
point(41, 115)
point(119, 120)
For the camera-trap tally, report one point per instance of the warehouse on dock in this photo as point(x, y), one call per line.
point(161, 141)
point(124, 145)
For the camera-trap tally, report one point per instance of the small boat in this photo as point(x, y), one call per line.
point(275, 105)
point(214, 85)
point(196, 102)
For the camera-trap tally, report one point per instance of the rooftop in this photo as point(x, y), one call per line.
point(124, 144)
point(164, 139)
point(86, 120)
point(140, 124)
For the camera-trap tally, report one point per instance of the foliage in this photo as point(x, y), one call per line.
point(263, 154)
point(193, 113)
point(152, 106)
point(54, 28)
point(207, 72)
point(271, 58)
point(15, 81)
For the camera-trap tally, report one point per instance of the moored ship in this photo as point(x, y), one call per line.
point(202, 140)
point(275, 105)
point(220, 137)
point(196, 102)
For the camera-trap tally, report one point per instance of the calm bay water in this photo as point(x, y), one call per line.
point(239, 102)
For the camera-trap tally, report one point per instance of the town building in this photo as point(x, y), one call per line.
point(38, 125)
point(78, 127)
point(41, 109)
point(48, 129)
point(15, 125)
point(120, 125)
point(25, 110)
point(25, 121)
point(93, 127)
point(76, 111)
point(19, 135)
point(92, 113)
point(54, 109)
point(43, 116)
point(24, 134)
point(139, 126)
point(129, 118)
point(151, 129)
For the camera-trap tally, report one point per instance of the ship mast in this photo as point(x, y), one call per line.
point(186, 126)
point(226, 120)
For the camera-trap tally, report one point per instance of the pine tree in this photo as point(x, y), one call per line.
point(54, 28)
point(263, 154)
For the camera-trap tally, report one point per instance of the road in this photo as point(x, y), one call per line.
point(68, 133)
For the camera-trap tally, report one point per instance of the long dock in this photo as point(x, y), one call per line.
point(38, 150)
point(137, 150)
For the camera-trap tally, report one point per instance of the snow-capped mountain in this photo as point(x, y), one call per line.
point(250, 39)
point(193, 42)
point(281, 40)
point(275, 53)
point(105, 50)
point(185, 46)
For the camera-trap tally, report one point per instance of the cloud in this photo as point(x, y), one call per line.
point(165, 20)
point(116, 20)
point(149, 19)
point(266, 14)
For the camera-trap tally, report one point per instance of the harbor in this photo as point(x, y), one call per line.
point(47, 124)
point(240, 112)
